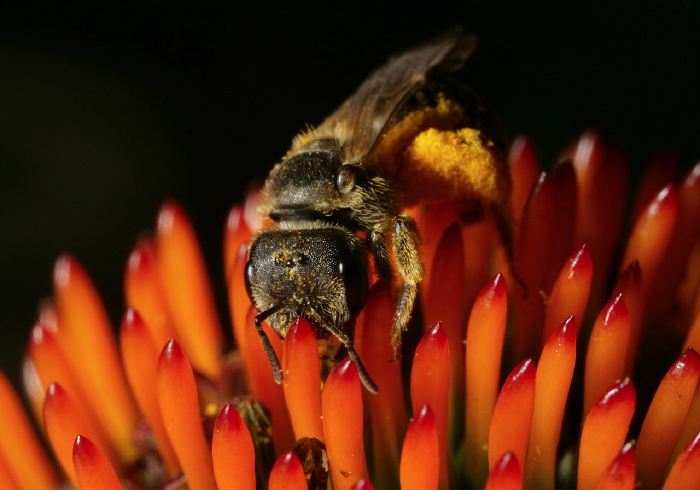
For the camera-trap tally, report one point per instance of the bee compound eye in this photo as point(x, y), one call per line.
point(248, 276)
point(355, 281)
point(347, 175)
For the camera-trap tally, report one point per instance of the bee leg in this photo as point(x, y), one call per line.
point(410, 267)
point(382, 262)
point(267, 346)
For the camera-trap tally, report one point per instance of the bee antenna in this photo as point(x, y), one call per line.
point(364, 375)
point(267, 346)
point(352, 353)
point(354, 357)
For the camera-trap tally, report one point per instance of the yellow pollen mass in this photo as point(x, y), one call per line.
point(446, 165)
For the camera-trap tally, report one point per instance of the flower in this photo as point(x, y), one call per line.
point(586, 377)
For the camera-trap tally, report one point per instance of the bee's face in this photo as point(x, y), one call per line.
point(318, 273)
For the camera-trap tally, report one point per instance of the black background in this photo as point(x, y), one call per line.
point(107, 111)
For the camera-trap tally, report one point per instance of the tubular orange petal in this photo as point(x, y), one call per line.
point(343, 426)
point(604, 433)
point(512, 415)
point(287, 474)
point(430, 384)
point(420, 459)
point(607, 348)
point(570, 293)
point(140, 358)
point(302, 380)
point(485, 334)
point(432, 223)
point(631, 286)
point(92, 468)
point(652, 233)
point(144, 292)
point(565, 214)
point(506, 474)
point(524, 170)
point(85, 332)
point(51, 363)
point(691, 425)
point(7, 478)
point(661, 171)
point(179, 405)
point(64, 421)
point(532, 254)
point(620, 475)
point(21, 452)
point(444, 302)
point(187, 291)
point(238, 300)
point(685, 472)
point(605, 217)
point(675, 267)
point(237, 233)
point(232, 451)
point(33, 389)
point(554, 373)
point(587, 157)
point(664, 420)
point(386, 409)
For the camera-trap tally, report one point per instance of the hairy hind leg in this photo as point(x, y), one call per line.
point(409, 266)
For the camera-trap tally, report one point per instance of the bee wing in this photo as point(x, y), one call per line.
point(362, 119)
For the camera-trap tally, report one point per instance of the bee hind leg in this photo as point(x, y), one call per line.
point(409, 265)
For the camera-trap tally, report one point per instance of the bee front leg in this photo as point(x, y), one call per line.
point(404, 246)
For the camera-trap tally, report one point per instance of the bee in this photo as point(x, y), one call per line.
point(408, 135)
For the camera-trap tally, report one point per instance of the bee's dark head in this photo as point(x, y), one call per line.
point(313, 270)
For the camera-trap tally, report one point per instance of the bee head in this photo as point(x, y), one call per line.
point(315, 270)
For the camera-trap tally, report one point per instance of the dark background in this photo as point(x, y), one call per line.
point(105, 113)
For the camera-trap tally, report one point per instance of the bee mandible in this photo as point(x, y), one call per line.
point(339, 195)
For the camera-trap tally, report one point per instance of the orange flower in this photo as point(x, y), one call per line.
point(600, 351)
